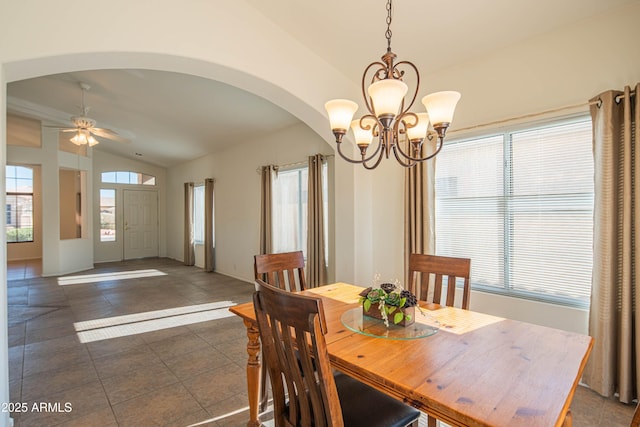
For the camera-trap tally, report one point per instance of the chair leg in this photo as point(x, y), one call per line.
point(264, 394)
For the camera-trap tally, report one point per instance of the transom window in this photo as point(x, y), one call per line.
point(520, 205)
point(127, 177)
point(19, 204)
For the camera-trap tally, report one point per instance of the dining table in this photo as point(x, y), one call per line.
point(462, 367)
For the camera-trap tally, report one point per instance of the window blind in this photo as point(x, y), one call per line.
point(520, 205)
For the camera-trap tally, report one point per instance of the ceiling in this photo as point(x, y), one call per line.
point(171, 118)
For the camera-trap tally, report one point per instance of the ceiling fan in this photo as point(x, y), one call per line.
point(84, 127)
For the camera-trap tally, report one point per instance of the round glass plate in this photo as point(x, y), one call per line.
point(423, 326)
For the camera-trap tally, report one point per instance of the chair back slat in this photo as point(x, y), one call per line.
point(292, 329)
point(284, 270)
point(423, 267)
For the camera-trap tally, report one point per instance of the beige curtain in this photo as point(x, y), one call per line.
point(209, 242)
point(316, 261)
point(266, 191)
point(613, 364)
point(419, 209)
point(189, 243)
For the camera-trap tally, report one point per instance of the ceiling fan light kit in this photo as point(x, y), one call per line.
point(85, 127)
point(389, 119)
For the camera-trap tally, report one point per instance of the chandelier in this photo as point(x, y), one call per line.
point(389, 119)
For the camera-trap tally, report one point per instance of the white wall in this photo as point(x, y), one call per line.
point(107, 162)
point(237, 194)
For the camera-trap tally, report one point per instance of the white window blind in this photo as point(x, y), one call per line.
point(290, 210)
point(198, 214)
point(520, 205)
point(290, 214)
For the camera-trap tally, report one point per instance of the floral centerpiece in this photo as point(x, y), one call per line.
point(389, 301)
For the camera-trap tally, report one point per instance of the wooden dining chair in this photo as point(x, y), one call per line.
point(635, 422)
point(426, 274)
point(305, 391)
point(284, 270)
point(426, 271)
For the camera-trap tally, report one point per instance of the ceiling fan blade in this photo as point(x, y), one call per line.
point(62, 128)
point(109, 134)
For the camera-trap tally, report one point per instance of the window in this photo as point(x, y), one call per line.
point(19, 204)
point(107, 215)
point(125, 177)
point(520, 205)
point(290, 210)
point(198, 214)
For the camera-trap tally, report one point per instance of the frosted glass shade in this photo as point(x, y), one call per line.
point(441, 106)
point(340, 113)
point(419, 131)
point(91, 141)
point(387, 96)
point(363, 137)
point(80, 138)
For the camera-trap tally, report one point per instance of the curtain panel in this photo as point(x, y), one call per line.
point(316, 261)
point(266, 203)
point(209, 242)
point(419, 210)
point(613, 321)
point(189, 241)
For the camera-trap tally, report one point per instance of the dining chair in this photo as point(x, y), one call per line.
point(425, 270)
point(635, 422)
point(305, 390)
point(284, 270)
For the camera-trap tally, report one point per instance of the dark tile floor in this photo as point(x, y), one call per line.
point(115, 348)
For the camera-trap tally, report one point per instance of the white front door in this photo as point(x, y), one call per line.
point(140, 224)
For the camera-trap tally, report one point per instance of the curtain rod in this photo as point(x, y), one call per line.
point(542, 113)
point(286, 165)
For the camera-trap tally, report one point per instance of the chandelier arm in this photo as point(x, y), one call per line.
point(363, 160)
point(365, 96)
point(417, 73)
point(377, 162)
point(430, 156)
point(402, 163)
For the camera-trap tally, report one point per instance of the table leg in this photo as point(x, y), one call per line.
point(253, 371)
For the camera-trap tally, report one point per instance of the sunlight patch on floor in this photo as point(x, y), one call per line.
point(105, 277)
point(139, 323)
point(221, 417)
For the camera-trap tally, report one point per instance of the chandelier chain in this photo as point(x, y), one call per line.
point(388, 32)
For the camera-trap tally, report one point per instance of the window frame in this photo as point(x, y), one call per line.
point(115, 216)
point(302, 213)
point(17, 195)
point(198, 214)
point(507, 211)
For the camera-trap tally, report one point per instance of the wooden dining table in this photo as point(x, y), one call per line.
point(476, 370)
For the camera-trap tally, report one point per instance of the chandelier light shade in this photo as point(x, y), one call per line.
point(398, 130)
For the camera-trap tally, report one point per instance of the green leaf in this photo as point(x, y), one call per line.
point(408, 317)
point(402, 302)
point(366, 304)
point(398, 317)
